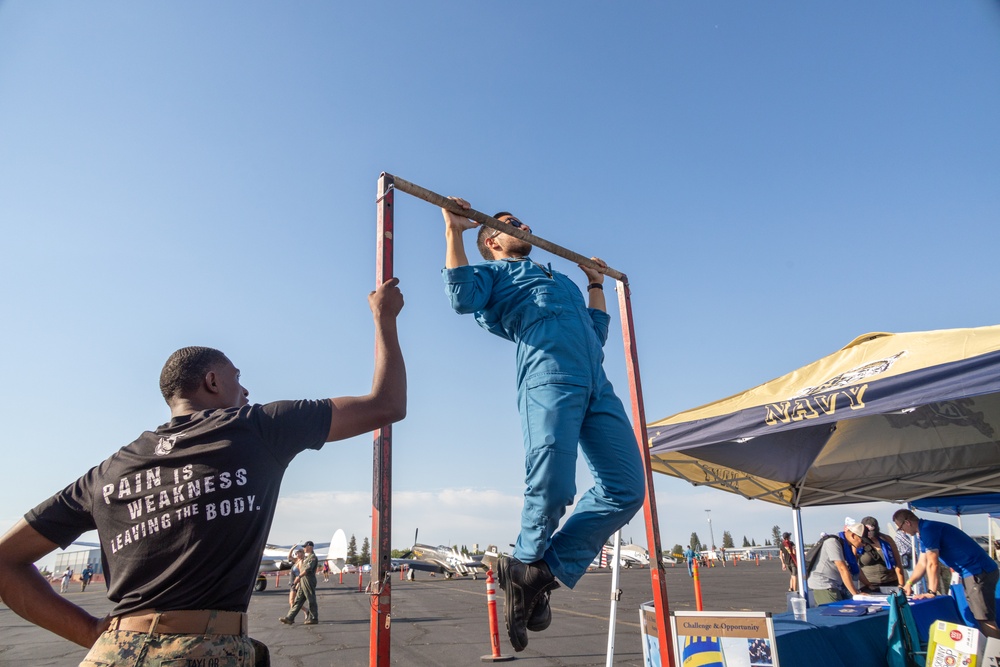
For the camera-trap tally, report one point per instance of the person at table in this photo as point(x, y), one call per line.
point(879, 560)
point(904, 544)
point(948, 545)
point(832, 576)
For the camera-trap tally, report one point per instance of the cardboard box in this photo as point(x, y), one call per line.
point(952, 645)
point(992, 655)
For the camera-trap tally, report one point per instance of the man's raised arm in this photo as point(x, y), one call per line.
point(454, 226)
point(354, 415)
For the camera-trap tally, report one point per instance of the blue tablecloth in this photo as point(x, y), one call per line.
point(850, 641)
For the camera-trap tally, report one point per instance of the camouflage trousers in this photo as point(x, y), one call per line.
point(121, 648)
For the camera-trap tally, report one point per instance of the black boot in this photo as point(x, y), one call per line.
point(541, 615)
point(525, 586)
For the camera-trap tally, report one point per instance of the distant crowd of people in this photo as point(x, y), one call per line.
point(67, 578)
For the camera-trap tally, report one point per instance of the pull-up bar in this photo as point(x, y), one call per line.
point(493, 223)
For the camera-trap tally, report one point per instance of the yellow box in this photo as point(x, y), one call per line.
point(952, 645)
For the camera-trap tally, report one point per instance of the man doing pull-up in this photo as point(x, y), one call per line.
point(564, 399)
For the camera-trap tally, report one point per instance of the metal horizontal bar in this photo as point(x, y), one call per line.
point(493, 223)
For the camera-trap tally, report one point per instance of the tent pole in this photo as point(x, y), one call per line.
point(616, 593)
point(989, 536)
point(663, 634)
point(918, 586)
point(378, 637)
point(800, 554)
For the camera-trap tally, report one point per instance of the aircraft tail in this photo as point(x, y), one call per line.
point(337, 556)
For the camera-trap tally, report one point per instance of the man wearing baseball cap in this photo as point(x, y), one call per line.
point(832, 577)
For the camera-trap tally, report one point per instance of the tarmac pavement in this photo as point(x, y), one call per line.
point(437, 621)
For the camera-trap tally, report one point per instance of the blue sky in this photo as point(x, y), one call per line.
point(775, 179)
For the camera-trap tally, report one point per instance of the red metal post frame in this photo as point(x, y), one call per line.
point(649, 506)
point(381, 586)
point(382, 487)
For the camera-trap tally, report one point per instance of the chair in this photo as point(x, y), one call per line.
point(904, 648)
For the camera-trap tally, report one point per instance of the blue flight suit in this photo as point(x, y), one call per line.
point(564, 399)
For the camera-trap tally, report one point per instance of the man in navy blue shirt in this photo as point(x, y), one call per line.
point(944, 543)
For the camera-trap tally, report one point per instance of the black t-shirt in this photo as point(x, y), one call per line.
point(874, 567)
point(184, 511)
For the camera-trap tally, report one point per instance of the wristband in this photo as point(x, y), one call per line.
point(595, 286)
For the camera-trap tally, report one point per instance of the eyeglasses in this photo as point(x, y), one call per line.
point(513, 222)
point(899, 526)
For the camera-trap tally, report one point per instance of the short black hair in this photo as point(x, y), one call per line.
point(899, 516)
point(484, 233)
point(785, 536)
point(185, 370)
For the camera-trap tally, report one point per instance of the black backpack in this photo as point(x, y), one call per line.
point(813, 554)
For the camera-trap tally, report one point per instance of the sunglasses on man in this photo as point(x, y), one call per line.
point(513, 222)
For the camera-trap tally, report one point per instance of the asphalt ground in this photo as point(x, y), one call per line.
point(437, 621)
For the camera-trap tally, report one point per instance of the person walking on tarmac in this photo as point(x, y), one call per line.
point(305, 587)
point(689, 556)
point(786, 552)
point(66, 578)
point(188, 502)
point(565, 401)
point(295, 555)
point(85, 577)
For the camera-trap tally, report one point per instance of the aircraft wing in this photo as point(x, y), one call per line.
point(414, 564)
point(453, 566)
point(275, 558)
point(274, 564)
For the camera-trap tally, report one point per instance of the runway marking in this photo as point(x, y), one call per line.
point(558, 609)
point(602, 618)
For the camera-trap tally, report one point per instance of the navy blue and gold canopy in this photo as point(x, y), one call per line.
point(890, 417)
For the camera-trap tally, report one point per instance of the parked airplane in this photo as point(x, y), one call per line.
point(441, 559)
point(633, 555)
point(275, 557)
point(629, 555)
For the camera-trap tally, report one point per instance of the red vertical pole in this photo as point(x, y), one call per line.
point(696, 580)
point(649, 506)
point(378, 640)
